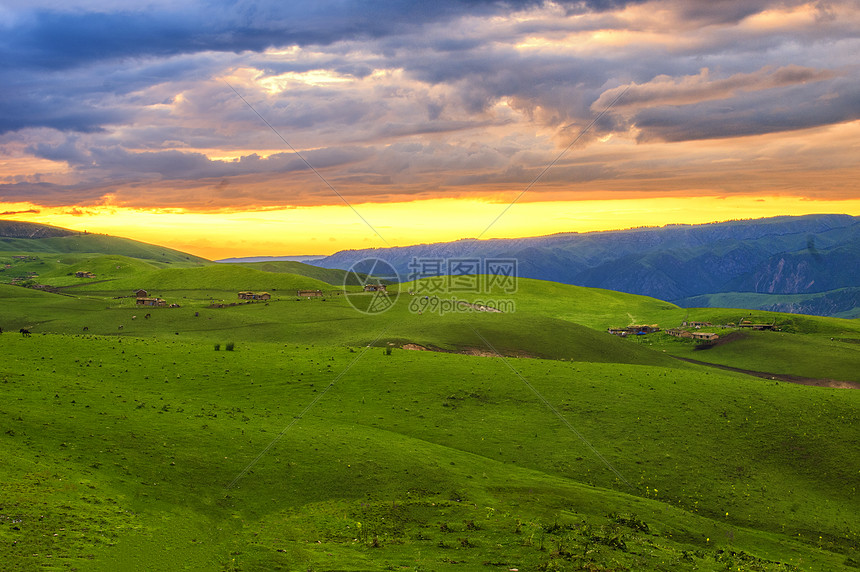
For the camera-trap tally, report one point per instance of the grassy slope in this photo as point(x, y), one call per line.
point(55, 260)
point(596, 308)
point(814, 354)
point(705, 443)
point(778, 352)
point(540, 326)
point(330, 322)
point(218, 277)
point(131, 446)
point(106, 267)
point(331, 276)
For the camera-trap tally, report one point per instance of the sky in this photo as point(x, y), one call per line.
point(249, 128)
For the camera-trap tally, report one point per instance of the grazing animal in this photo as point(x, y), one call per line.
point(1, 330)
point(25, 333)
point(86, 328)
point(134, 317)
point(147, 316)
point(120, 326)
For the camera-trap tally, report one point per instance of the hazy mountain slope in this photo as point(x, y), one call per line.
point(17, 229)
point(843, 303)
point(781, 255)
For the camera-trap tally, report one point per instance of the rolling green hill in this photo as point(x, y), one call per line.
point(134, 453)
point(331, 320)
point(220, 277)
point(325, 439)
point(334, 277)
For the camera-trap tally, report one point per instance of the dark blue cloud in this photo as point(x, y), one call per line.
point(767, 111)
point(61, 39)
point(42, 47)
point(118, 162)
point(112, 82)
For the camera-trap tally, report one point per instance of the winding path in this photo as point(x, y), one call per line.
point(817, 382)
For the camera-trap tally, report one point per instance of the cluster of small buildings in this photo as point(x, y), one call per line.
point(254, 295)
point(688, 329)
point(634, 330)
point(84, 274)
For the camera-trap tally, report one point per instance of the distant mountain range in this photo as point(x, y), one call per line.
point(808, 264)
point(308, 258)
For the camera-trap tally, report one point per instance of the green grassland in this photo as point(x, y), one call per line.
point(220, 277)
point(810, 356)
point(58, 269)
point(331, 276)
point(122, 445)
point(319, 444)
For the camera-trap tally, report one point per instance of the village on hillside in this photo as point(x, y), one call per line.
point(693, 330)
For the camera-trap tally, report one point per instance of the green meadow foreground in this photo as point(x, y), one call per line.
point(319, 443)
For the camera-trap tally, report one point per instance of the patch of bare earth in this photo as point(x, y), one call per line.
point(482, 352)
point(813, 381)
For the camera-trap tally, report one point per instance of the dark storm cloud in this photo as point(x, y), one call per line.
point(41, 49)
point(134, 97)
point(172, 164)
point(50, 193)
point(60, 39)
point(785, 109)
point(723, 11)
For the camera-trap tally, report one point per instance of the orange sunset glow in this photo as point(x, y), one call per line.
point(327, 229)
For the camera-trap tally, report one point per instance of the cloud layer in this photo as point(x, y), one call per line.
point(204, 104)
